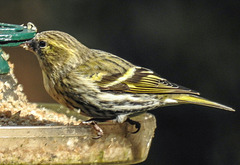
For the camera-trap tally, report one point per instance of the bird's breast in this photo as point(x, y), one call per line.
point(50, 86)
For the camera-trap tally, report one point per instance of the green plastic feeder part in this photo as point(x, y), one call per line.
point(13, 35)
point(4, 68)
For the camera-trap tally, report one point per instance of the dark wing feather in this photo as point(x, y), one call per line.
point(142, 81)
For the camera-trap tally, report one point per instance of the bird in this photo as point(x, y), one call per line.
point(101, 85)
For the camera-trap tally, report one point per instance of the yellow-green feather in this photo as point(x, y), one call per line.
point(193, 99)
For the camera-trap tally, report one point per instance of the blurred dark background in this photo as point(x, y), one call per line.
point(192, 43)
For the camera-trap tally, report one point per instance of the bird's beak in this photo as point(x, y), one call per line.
point(29, 45)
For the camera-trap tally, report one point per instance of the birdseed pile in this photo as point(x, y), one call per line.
point(16, 110)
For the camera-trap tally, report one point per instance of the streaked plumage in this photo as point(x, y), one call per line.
point(103, 85)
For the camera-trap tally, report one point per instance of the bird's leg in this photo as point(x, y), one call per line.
point(124, 118)
point(135, 123)
point(93, 123)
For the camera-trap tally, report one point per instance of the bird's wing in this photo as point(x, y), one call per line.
point(140, 80)
point(111, 73)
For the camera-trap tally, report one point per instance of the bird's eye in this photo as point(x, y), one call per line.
point(42, 44)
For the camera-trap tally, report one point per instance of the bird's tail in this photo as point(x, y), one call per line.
point(193, 99)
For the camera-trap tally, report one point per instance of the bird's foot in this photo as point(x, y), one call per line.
point(93, 123)
point(135, 123)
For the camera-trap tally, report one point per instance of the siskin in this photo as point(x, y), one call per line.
point(101, 85)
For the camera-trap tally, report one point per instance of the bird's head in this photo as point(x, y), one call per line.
point(55, 49)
